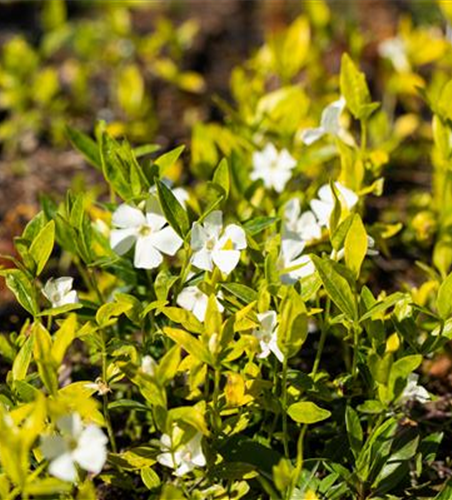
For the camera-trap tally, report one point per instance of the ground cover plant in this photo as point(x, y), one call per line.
point(226, 320)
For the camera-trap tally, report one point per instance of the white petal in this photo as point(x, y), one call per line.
point(267, 320)
point(70, 424)
point(199, 237)
point(166, 459)
point(311, 135)
point(280, 179)
point(167, 240)
point(64, 284)
point(184, 468)
point(122, 240)
point(292, 212)
point(331, 115)
point(181, 195)
point(350, 197)
point(200, 308)
point(203, 260)
point(322, 211)
point(286, 161)
point(274, 348)
point(91, 451)
point(146, 256)
point(63, 468)
point(69, 298)
point(226, 260)
point(53, 446)
point(188, 297)
point(291, 248)
point(213, 224)
point(126, 216)
point(308, 226)
point(265, 350)
point(237, 236)
point(154, 215)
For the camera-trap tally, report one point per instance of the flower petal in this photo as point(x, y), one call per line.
point(53, 446)
point(237, 236)
point(331, 115)
point(267, 320)
point(126, 216)
point(199, 237)
point(311, 135)
point(188, 297)
point(167, 240)
point(146, 256)
point(154, 215)
point(226, 260)
point(213, 224)
point(91, 451)
point(70, 424)
point(63, 468)
point(202, 259)
point(122, 240)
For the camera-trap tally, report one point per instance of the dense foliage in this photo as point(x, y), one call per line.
point(229, 323)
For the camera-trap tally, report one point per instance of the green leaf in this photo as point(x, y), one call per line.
point(354, 88)
point(190, 343)
point(173, 210)
point(336, 286)
point(444, 298)
point(42, 246)
point(242, 292)
point(293, 324)
point(306, 412)
point(258, 224)
point(355, 245)
point(221, 177)
point(168, 159)
point(23, 289)
point(86, 146)
point(354, 430)
point(150, 478)
point(22, 360)
point(42, 346)
point(111, 310)
point(185, 318)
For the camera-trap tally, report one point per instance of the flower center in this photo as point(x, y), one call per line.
point(144, 230)
point(57, 297)
point(210, 244)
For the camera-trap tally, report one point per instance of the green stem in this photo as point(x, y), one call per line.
point(216, 400)
point(299, 462)
point(323, 333)
point(111, 435)
point(363, 136)
point(284, 406)
point(355, 350)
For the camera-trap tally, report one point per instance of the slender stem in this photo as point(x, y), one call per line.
point(323, 333)
point(216, 399)
point(363, 136)
point(284, 405)
point(111, 435)
point(355, 350)
point(299, 462)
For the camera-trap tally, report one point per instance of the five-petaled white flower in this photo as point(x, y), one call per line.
point(59, 291)
point(193, 299)
point(329, 123)
point(292, 264)
point(180, 455)
point(212, 244)
point(267, 335)
point(80, 445)
point(324, 205)
point(150, 231)
point(394, 49)
point(413, 391)
point(273, 167)
point(301, 225)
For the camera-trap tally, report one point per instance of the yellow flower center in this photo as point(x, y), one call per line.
point(144, 230)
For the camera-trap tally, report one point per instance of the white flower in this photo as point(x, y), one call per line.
point(273, 167)
point(78, 445)
point(183, 457)
point(304, 225)
point(214, 245)
point(329, 123)
point(149, 365)
point(150, 232)
point(59, 291)
point(324, 206)
point(193, 299)
point(394, 49)
point(413, 391)
point(292, 263)
point(267, 334)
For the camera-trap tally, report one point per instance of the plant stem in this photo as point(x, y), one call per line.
point(284, 406)
point(323, 333)
point(299, 462)
point(355, 350)
point(363, 136)
point(215, 399)
point(111, 435)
